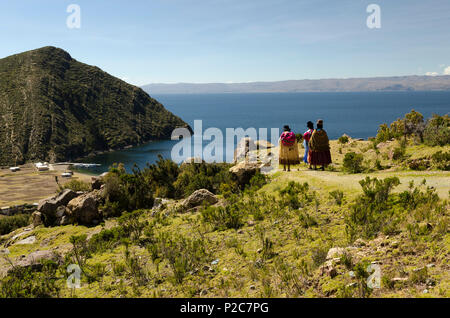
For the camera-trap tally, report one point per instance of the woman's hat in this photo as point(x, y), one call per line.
point(287, 128)
point(320, 122)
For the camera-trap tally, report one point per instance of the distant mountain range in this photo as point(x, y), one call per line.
point(400, 83)
point(54, 108)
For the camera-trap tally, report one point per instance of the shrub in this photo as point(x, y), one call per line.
point(437, 131)
point(343, 139)
point(338, 196)
point(399, 153)
point(208, 176)
point(14, 222)
point(372, 211)
point(126, 192)
point(162, 176)
point(267, 250)
point(441, 160)
point(222, 218)
point(25, 283)
point(183, 254)
point(353, 162)
point(306, 220)
point(296, 195)
point(257, 181)
point(76, 185)
point(319, 255)
point(131, 225)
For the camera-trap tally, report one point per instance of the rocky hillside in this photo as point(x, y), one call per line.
point(54, 108)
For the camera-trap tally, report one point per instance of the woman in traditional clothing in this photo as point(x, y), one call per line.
point(319, 147)
point(306, 137)
point(288, 149)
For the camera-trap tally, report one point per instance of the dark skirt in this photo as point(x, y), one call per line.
point(319, 158)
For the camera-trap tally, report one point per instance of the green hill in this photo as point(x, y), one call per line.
point(55, 108)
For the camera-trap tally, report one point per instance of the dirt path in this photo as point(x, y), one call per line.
point(350, 182)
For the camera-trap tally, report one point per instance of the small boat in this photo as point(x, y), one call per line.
point(14, 169)
point(67, 174)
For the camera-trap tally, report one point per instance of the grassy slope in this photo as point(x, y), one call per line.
point(236, 273)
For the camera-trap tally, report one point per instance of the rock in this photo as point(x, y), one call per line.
point(430, 265)
point(244, 146)
point(263, 144)
point(430, 282)
point(215, 262)
point(198, 198)
point(351, 274)
point(84, 209)
point(244, 171)
point(252, 287)
point(36, 219)
point(64, 220)
point(335, 252)
point(49, 206)
point(425, 291)
point(35, 259)
point(96, 183)
point(60, 211)
point(65, 197)
point(27, 241)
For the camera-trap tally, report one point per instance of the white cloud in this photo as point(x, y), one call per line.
point(431, 73)
point(447, 71)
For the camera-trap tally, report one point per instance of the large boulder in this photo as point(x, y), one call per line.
point(96, 183)
point(244, 146)
point(198, 198)
point(244, 171)
point(84, 209)
point(49, 206)
point(36, 259)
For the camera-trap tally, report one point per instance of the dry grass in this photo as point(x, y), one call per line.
point(30, 186)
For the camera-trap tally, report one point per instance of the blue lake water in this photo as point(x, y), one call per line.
point(355, 114)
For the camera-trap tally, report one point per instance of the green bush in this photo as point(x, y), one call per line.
point(343, 139)
point(12, 223)
point(222, 218)
point(338, 196)
point(437, 131)
point(126, 192)
point(296, 195)
point(208, 176)
point(183, 254)
point(26, 283)
point(76, 185)
point(441, 160)
point(372, 211)
point(353, 162)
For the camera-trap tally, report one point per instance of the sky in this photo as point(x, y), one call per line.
point(229, 41)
